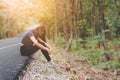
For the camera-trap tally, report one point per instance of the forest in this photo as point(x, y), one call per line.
point(88, 28)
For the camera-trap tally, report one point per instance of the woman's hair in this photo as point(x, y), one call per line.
point(40, 32)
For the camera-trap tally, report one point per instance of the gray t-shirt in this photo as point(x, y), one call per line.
point(26, 39)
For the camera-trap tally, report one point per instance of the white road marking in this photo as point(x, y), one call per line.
point(9, 46)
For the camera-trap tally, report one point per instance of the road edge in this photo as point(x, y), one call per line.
point(22, 70)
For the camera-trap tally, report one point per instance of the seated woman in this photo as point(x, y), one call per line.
point(34, 40)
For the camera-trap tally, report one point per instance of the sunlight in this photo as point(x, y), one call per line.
point(28, 12)
point(26, 1)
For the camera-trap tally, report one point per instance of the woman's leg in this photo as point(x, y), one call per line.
point(45, 53)
point(23, 51)
point(32, 50)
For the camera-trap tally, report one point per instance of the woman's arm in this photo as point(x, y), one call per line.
point(45, 43)
point(39, 45)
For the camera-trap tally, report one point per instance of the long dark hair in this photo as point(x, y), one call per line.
point(40, 32)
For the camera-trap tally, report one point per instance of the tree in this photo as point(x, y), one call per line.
point(102, 21)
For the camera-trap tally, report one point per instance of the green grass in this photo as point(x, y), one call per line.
point(95, 55)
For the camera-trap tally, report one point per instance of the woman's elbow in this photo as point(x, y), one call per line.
point(36, 43)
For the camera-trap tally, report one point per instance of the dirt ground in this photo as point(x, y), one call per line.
point(65, 66)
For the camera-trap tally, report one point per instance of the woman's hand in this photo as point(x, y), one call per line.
point(49, 50)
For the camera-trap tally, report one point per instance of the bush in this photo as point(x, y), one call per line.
point(61, 42)
point(110, 65)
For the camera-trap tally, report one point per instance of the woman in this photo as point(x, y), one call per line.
point(34, 40)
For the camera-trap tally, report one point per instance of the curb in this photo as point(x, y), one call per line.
point(22, 70)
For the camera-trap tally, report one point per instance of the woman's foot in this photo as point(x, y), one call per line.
point(50, 63)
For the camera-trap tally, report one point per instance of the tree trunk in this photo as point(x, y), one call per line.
point(81, 10)
point(72, 24)
point(66, 28)
point(94, 20)
point(102, 22)
point(80, 16)
point(55, 22)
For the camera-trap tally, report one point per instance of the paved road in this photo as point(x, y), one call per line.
point(10, 59)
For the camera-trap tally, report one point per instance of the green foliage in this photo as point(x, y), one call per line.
point(110, 65)
point(92, 42)
point(111, 51)
point(61, 41)
point(45, 72)
point(73, 47)
point(82, 22)
point(94, 57)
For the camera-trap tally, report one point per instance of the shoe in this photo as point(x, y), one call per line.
point(50, 64)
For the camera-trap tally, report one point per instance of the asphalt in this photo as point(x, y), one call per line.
point(10, 59)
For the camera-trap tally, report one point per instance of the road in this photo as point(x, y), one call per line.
point(10, 59)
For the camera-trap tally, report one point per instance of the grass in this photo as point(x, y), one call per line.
point(95, 55)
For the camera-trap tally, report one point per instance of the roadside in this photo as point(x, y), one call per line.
point(67, 66)
point(10, 58)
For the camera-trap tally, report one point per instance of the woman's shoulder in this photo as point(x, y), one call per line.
point(30, 33)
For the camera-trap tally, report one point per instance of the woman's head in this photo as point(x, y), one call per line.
point(40, 32)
